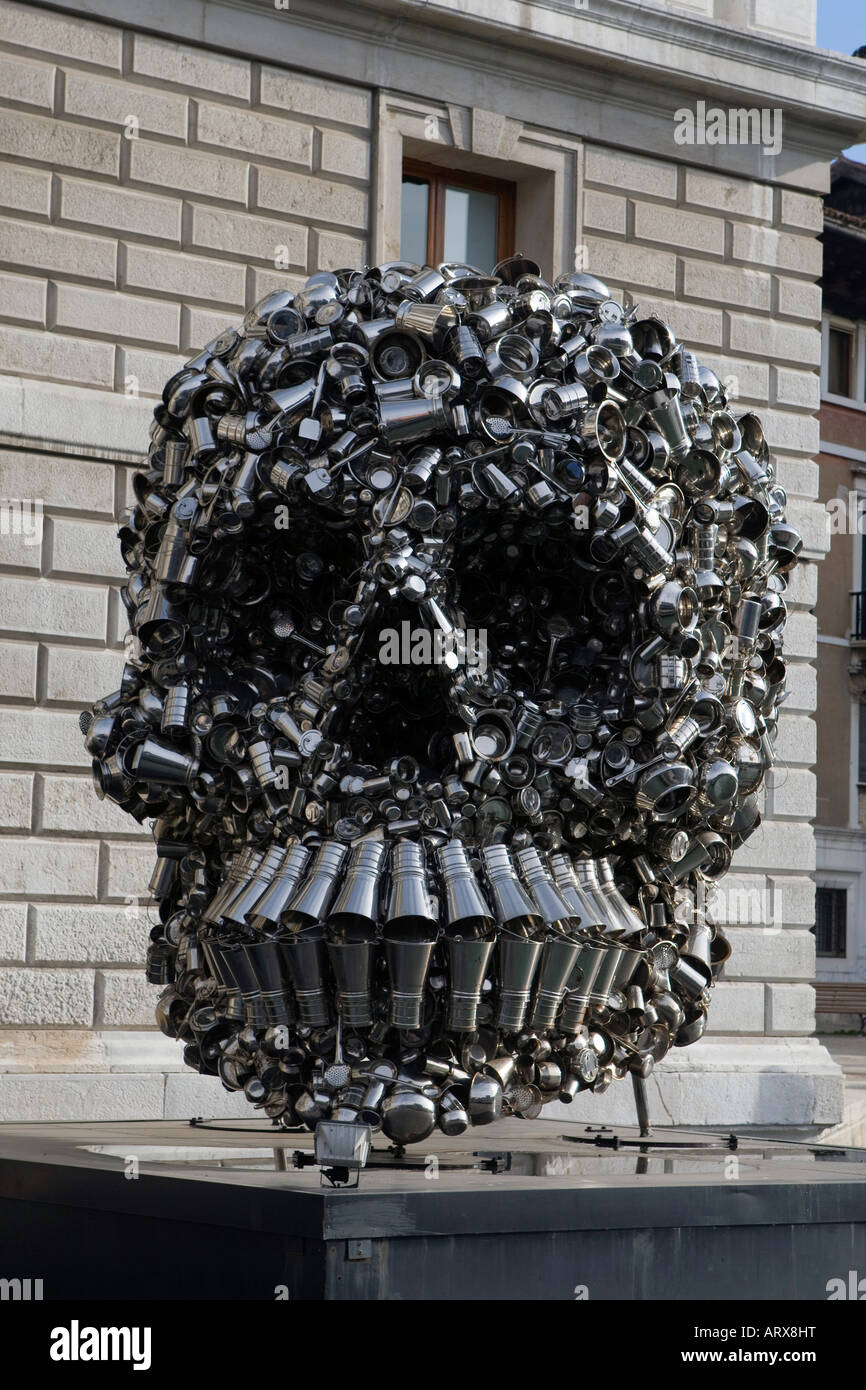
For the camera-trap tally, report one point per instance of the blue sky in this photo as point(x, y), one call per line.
point(842, 27)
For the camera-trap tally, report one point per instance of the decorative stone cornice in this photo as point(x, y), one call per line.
point(628, 36)
point(613, 73)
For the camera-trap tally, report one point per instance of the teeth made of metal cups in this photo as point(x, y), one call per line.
point(603, 913)
point(627, 968)
point(244, 902)
point(579, 989)
point(239, 969)
point(557, 962)
point(317, 889)
point(467, 965)
point(352, 964)
point(234, 875)
point(550, 903)
point(408, 964)
point(565, 878)
point(305, 962)
point(603, 982)
point(268, 966)
point(517, 964)
point(270, 907)
point(410, 908)
point(231, 1003)
point(247, 869)
point(631, 922)
point(465, 909)
point(356, 907)
point(512, 905)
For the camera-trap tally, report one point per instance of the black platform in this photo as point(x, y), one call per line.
point(514, 1211)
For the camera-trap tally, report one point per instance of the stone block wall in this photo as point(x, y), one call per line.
point(149, 189)
point(731, 264)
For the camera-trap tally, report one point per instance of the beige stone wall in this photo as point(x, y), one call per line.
point(731, 265)
point(146, 188)
point(119, 255)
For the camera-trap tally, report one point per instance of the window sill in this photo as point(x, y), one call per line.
point(848, 401)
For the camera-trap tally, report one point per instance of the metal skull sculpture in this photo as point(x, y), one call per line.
point(456, 604)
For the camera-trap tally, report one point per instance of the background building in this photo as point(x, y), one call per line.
point(841, 611)
point(165, 167)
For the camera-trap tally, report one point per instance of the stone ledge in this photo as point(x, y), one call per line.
point(51, 418)
point(67, 1051)
point(720, 1081)
point(727, 1081)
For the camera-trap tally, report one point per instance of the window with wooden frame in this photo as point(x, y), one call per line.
point(831, 914)
point(454, 216)
point(843, 362)
point(841, 353)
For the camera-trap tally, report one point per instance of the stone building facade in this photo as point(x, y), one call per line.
point(159, 163)
point(840, 830)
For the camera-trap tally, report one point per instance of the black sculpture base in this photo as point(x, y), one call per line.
point(539, 1210)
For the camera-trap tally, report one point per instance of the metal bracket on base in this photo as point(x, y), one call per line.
point(641, 1103)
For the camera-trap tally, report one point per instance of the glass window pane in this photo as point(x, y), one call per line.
point(471, 227)
point(839, 355)
point(413, 220)
point(831, 912)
